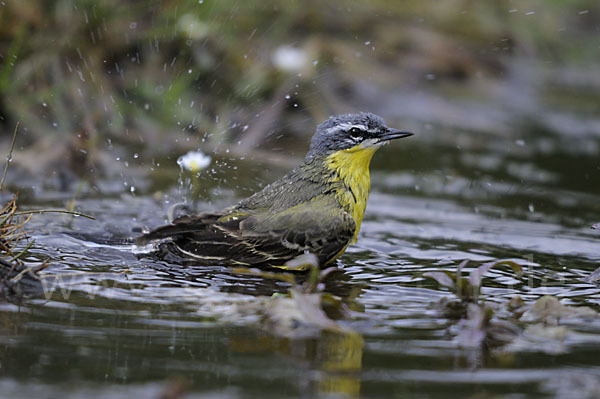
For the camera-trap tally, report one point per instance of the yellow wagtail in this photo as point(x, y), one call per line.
point(316, 208)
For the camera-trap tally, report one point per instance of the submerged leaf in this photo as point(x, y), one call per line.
point(472, 329)
point(541, 332)
point(541, 338)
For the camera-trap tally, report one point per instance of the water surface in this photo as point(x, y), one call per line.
point(111, 325)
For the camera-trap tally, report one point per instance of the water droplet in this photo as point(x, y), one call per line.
point(44, 104)
point(295, 105)
point(200, 1)
point(531, 208)
point(190, 70)
point(146, 106)
point(287, 96)
point(367, 42)
point(136, 155)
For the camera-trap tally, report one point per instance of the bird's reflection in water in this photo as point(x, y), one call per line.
point(334, 353)
point(336, 358)
point(340, 356)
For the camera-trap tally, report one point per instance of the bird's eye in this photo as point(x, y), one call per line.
point(356, 132)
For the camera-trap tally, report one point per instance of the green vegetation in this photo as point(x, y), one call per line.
point(148, 71)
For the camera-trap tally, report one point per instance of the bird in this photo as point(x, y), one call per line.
point(317, 208)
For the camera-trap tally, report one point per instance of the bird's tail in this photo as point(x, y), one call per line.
point(181, 226)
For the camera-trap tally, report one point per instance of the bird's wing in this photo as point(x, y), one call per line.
point(201, 237)
point(318, 226)
point(189, 224)
point(260, 238)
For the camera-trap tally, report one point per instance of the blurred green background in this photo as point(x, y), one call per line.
point(249, 76)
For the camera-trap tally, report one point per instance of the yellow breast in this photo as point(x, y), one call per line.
point(352, 167)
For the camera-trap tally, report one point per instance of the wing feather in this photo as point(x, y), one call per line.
point(268, 238)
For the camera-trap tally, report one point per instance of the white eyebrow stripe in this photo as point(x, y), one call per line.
point(346, 126)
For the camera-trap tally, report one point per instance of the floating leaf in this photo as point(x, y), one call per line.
point(445, 279)
point(594, 277)
point(549, 310)
point(476, 275)
point(461, 266)
point(299, 316)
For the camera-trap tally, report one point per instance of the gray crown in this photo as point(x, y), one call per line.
point(335, 133)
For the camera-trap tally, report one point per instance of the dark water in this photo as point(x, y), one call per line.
point(111, 325)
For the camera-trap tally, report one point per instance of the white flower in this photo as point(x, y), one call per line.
point(194, 161)
point(192, 27)
point(289, 59)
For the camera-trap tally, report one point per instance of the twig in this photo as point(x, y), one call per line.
point(27, 248)
point(28, 269)
point(54, 211)
point(8, 159)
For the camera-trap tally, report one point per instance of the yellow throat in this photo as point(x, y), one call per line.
point(352, 167)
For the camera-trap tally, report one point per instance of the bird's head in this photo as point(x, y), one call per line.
point(352, 131)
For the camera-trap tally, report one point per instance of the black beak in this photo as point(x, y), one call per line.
point(392, 134)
